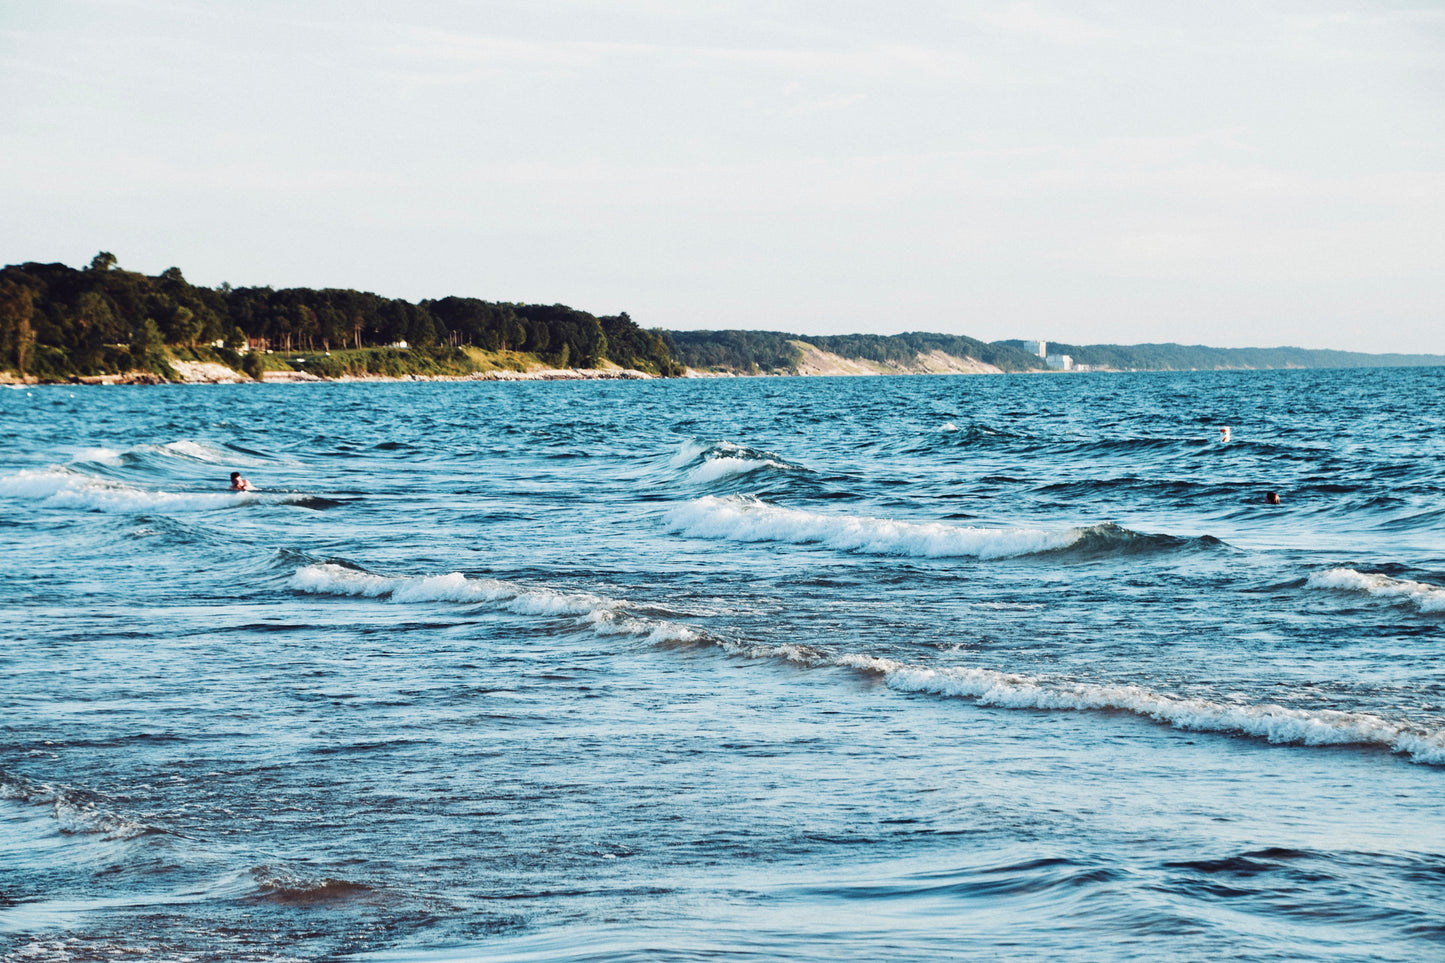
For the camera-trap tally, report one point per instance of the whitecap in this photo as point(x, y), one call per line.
point(1423, 595)
point(100, 456)
point(200, 451)
point(715, 469)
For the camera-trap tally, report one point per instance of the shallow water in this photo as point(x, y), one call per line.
point(910, 668)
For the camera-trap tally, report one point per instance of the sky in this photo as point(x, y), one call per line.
point(1224, 173)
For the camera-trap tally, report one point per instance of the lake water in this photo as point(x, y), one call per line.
point(993, 667)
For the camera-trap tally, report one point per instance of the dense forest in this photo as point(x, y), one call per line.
point(57, 322)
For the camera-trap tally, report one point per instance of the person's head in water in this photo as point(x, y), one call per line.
point(239, 484)
point(1271, 498)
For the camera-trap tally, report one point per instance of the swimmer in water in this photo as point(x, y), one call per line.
point(239, 484)
point(1271, 498)
point(1224, 436)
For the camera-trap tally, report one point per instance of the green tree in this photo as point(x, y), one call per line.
point(252, 366)
point(148, 349)
point(185, 327)
point(17, 335)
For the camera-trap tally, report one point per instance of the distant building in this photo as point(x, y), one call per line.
point(1040, 348)
point(1060, 362)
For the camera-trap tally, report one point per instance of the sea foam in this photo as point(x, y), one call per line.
point(1424, 596)
point(748, 519)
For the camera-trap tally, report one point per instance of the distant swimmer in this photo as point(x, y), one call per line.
point(1271, 498)
point(1224, 436)
point(239, 484)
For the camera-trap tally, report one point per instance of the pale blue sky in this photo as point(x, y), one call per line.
point(1226, 173)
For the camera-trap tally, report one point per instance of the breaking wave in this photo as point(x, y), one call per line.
point(709, 464)
point(605, 616)
point(746, 518)
point(1275, 723)
point(1424, 596)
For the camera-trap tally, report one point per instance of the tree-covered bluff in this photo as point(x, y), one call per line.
point(59, 322)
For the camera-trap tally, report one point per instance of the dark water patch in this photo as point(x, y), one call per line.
point(1110, 540)
point(318, 502)
point(242, 449)
point(324, 892)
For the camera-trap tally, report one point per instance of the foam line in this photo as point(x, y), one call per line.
point(1275, 723)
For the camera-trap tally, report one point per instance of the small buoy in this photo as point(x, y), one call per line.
point(1224, 435)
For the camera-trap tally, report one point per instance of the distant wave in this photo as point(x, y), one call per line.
point(1424, 596)
point(749, 519)
point(950, 434)
point(62, 488)
point(605, 616)
point(1275, 723)
point(181, 450)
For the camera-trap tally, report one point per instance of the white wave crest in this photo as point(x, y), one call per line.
point(101, 456)
point(331, 579)
point(605, 617)
point(689, 452)
point(195, 449)
point(715, 469)
point(1426, 597)
point(722, 460)
point(1277, 724)
point(747, 519)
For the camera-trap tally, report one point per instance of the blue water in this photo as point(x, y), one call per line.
point(995, 667)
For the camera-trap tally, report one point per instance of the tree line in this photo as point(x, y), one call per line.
point(57, 321)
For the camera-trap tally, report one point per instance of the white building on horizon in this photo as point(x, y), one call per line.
point(1040, 348)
